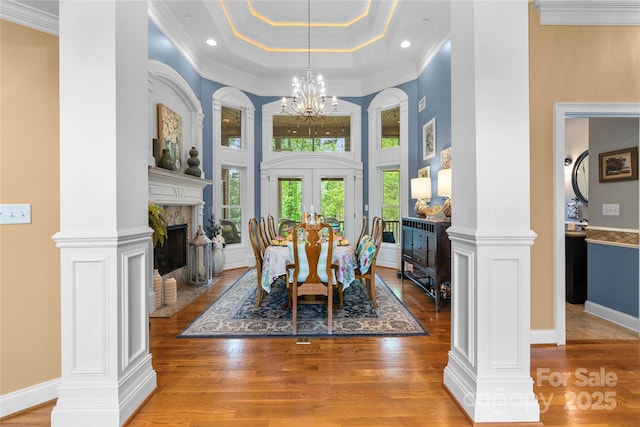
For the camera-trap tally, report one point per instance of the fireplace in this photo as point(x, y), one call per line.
point(173, 254)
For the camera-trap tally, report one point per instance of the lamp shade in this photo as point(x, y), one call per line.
point(421, 188)
point(444, 182)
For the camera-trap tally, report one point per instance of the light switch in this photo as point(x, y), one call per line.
point(15, 214)
point(611, 209)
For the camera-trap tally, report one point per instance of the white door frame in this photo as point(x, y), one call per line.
point(311, 167)
point(561, 112)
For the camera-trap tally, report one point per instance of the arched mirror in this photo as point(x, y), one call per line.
point(580, 177)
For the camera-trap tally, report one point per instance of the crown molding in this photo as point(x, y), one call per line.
point(588, 12)
point(28, 16)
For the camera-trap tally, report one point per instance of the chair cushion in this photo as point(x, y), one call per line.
point(365, 238)
point(366, 256)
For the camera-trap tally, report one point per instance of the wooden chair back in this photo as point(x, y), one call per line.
point(312, 271)
point(258, 252)
point(263, 233)
point(271, 227)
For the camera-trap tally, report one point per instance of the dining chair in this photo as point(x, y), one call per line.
point(258, 252)
point(313, 275)
point(366, 258)
point(364, 230)
point(263, 233)
point(271, 227)
point(285, 225)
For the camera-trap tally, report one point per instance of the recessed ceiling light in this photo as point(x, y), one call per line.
point(405, 44)
point(187, 17)
point(212, 42)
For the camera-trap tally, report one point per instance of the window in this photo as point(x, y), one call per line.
point(391, 205)
point(327, 134)
point(231, 127)
point(231, 219)
point(390, 132)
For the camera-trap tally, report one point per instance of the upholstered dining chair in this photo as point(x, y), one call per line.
point(313, 274)
point(367, 253)
point(258, 252)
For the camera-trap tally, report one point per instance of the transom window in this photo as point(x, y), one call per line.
point(390, 132)
point(325, 135)
point(231, 127)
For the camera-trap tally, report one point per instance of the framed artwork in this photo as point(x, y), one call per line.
point(170, 133)
point(619, 165)
point(429, 139)
point(445, 158)
point(424, 172)
point(422, 104)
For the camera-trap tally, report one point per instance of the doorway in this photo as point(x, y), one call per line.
point(563, 111)
point(331, 192)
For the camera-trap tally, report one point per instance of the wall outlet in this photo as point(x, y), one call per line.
point(611, 209)
point(15, 214)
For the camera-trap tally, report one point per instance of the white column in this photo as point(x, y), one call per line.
point(104, 238)
point(488, 369)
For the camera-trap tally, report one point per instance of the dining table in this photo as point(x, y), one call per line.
point(276, 258)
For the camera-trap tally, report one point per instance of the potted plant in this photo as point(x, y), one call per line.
point(158, 224)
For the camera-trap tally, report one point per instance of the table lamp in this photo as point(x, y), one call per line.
point(421, 190)
point(444, 189)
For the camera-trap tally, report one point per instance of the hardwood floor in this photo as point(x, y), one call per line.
point(355, 382)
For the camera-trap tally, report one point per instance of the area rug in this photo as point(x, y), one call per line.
point(235, 315)
point(185, 294)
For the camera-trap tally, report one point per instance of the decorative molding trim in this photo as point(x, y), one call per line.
point(613, 316)
point(613, 237)
point(29, 397)
point(28, 16)
point(543, 336)
point(588, 12)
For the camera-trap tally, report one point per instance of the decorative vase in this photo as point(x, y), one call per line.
point(218, 260)
point(193, 163)
point(157, 287)
point(170, 291)
point(166, 161)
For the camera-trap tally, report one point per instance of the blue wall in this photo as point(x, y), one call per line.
point(434, 83)
point(612, 273)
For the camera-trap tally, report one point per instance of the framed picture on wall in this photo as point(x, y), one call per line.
point(424, 172)
point(619, 165)
point(429, 139)
point(170, 132)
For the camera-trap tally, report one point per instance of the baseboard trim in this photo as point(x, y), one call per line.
point(543, 336)
point(29, 397)
point(613, 316)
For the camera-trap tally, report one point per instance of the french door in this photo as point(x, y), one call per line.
point(327, 191)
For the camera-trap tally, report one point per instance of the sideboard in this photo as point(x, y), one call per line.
point(426, 247)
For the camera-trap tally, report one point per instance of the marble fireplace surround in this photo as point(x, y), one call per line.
point(181, 196)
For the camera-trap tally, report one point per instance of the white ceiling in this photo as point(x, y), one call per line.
point(263, 44)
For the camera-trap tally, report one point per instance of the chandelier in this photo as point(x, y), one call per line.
point(308, 98)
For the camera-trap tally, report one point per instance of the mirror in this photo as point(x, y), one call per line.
point(580, 177)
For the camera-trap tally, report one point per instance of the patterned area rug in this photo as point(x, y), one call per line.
point(185, 294)
point(234, 314)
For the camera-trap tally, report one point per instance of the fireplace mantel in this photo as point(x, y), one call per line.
point(175, 188)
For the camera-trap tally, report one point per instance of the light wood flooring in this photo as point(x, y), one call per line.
point(357, 382)
point(581, 325)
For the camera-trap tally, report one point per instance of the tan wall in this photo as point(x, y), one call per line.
point(29, 171)
point(568, 64)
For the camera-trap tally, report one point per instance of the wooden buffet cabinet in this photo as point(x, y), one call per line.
point(426, 247)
